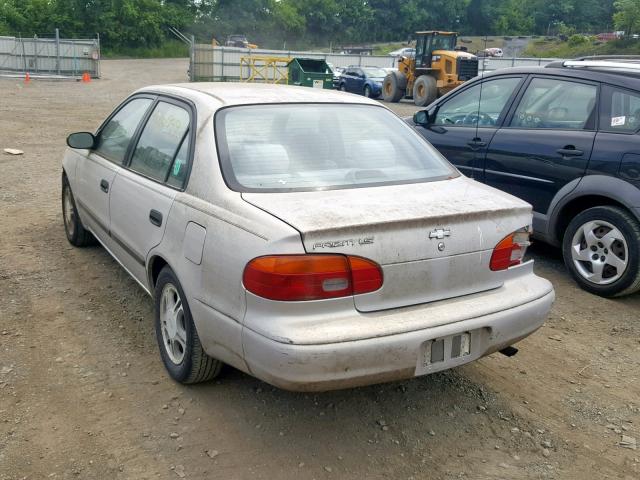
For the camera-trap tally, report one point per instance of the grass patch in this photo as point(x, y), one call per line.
point(170, 49)
point(580, 48)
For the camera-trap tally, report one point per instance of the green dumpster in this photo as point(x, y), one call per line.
point(310, 72)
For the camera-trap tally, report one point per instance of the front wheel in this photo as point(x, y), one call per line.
point(367, 91)
point(77, 235)
point(394, 87)
point(601, 250)
point(425, 90)
point(343, 87)
point(180, 347)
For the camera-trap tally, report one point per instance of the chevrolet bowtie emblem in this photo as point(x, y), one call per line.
point(440, 233)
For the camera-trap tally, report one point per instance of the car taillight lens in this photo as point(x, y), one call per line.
point(511, 249)
point(311, 277)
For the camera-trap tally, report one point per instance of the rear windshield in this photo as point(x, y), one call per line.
point(302, 147)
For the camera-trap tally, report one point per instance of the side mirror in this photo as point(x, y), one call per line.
point(422, 118)
point(81, 140)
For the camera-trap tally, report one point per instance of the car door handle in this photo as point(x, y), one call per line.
point(477, 143)
point(569, 151)
point(104, 186)
point(155, 217)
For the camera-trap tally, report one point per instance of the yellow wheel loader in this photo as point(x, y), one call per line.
point(437, 68)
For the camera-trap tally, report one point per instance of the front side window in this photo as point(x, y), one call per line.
point(479, 105)
point(443, 42)
point(558, 104)
point(298, 147)
point(624, 112)
point(116, 135)
point(160, 141)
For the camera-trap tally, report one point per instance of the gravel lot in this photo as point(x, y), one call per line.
point(83, 393)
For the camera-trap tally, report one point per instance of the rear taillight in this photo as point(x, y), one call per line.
point(511, 249)
point(311, 277)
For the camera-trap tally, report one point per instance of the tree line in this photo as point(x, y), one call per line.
point(306, 23)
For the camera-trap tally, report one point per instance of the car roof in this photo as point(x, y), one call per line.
point(231, 93)
point(628, 79)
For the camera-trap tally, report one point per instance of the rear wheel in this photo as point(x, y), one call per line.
point(180, 347)
point(601, 250)
point(77, 235)
point(425, 90)
point(394, 87)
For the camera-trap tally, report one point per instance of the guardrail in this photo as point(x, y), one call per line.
point(489, 64)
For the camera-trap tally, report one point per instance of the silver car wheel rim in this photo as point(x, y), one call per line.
point(599, 252)
point(69, 216)
point(172, 324)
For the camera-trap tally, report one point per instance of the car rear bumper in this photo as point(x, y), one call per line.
point(329, 366)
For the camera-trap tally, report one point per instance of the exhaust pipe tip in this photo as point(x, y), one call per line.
point(509, 351)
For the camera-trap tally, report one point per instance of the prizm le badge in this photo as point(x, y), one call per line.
point(439, 233)
point(351, 242)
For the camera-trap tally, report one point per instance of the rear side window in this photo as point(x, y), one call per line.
point(621, 112)
point(178, 171)
point(117, 133)
point(557, 104)
point(161, 141)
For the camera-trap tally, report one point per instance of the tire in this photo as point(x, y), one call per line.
point(180, 347)
point(601, 249)
point(367, 91)
point(425, 90)
point(77, 235)
point(343, 87)
point(394, 87)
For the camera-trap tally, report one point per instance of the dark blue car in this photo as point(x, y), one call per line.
point(566, 139)
point(366, 81)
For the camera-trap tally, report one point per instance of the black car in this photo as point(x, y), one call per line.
point(565, 138)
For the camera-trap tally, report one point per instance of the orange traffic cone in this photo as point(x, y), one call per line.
point(86, 78)
point(27, 78)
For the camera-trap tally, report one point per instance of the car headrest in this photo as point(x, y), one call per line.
point(374, 153)
point(259, 159)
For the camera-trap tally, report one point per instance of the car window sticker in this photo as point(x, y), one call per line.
point(618, 121)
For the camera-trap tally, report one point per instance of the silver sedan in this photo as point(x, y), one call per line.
point(309, 238)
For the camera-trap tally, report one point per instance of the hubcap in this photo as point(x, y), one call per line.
point(421, 90)
point(172, 324)
point(367, 92)
point(600, 252)
point(69, 214)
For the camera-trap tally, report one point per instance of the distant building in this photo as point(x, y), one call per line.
point(355, 50)
point(608, 36)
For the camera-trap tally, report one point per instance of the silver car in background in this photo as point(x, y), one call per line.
point(309, 238)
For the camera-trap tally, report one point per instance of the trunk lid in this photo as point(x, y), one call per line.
point(433, 240)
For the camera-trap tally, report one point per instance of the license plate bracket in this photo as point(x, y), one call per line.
point(445, 349)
